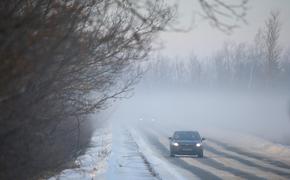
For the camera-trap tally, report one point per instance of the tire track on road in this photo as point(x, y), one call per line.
point(247, 162)
point(251, 155)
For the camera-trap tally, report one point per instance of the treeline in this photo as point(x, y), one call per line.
point(260, 64)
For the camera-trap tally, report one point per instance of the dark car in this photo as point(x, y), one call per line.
point(186, 143)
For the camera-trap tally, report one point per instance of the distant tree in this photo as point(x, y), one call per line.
point(195, 70)
point(180, 72)
point(273, 49)
point(241, 65)
point(257, 58)
point(223, 64)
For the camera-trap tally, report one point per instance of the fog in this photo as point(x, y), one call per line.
point(84, 77)
point(263, 115)
point(242, 87)
point(235, 89)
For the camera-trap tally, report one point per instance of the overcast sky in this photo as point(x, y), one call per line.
point(203, 40)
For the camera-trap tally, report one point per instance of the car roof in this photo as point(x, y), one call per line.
point(186, 132)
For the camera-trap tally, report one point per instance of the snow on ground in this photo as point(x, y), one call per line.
point(126, 161)
point(113, 154)
point(122, 152)
point(93, 164)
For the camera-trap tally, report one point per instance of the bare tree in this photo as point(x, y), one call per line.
point(224, 15)
point(273, 49)
point(61, 61)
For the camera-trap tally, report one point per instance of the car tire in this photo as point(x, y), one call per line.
point(200, 155)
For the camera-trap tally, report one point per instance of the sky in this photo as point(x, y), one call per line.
point(203, 39)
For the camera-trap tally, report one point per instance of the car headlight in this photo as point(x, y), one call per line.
point(198, 144)
point(175, 144)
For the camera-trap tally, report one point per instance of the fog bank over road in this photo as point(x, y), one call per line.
point(263, 115)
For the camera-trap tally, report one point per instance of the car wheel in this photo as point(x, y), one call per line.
point(200, 155)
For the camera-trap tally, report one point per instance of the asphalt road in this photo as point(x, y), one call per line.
point(221, 160)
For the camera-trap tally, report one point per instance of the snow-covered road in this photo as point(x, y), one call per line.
point(223, 159)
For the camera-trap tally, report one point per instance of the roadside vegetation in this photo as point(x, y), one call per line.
point(64, 60)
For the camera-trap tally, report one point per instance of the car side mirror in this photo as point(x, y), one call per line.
point(170, 138)
point(202, 139)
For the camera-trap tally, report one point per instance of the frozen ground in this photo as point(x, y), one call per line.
point(93, 164)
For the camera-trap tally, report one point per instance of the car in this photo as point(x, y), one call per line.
point(186, 143)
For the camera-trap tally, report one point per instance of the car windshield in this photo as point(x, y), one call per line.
point(186, 136)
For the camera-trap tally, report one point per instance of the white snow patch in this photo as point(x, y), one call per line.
point(126, 162)
point(93, 164)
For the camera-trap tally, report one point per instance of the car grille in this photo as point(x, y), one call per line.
point(187, 146)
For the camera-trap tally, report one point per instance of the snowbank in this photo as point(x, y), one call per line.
point(93, 164)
